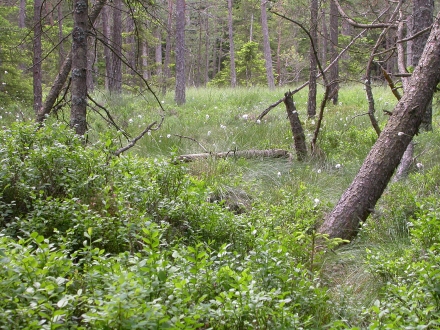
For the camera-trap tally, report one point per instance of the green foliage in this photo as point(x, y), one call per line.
point(249, 66)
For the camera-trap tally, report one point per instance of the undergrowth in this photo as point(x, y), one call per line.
point(93, 241)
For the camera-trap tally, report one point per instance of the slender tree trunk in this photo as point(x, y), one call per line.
point(116, 54)
point(22, 14)
point(334, 33)
point(360, 198)
point(206, 50)
point(324, 39)
point(180, 96)
point(106, 23)
point(90, 62)
point(313, 71)
point(423, 11)
point(166, 64)
point(61, 54)
point(64, 71)
point(231, 46)
point(145, 70)
point(266, 43)
point(37, 51)
point(79, 67)
point(158, 53)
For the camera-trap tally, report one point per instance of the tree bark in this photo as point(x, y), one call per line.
point(37, 57)
point(296, 127)
point(180, 97)
point(231, 46)
point(79, 67)
point(266, 43)
point(270, 153)
point(311, 103)
point(64, 71)
point(334, 70)
point(360, 198)
point(115, 82)
point(166, 64)
point(423, 11)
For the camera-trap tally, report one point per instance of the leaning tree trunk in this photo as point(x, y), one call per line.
point(422, 18)
point(360, 198)
point(64, 71)
point(79, 67)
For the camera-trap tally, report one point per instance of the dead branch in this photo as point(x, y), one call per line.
point(390, 82)
point(192, 139)
point(252, 153)
point(137, 138)
point(360, 25)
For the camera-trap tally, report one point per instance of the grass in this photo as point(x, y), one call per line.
point(217, 120)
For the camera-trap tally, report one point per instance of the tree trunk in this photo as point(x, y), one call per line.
point(22, 14)
point(180, 97)
point(360, 198)
point(64, 71)
point(158, 54)
point(79, 67)
point(115, 83)
point(231, 46)
point(423, 11)
point(61, 54)
point(166, 64)
point(269, 153)
point(37, 57)
point(334, 70)
point(106, 23)
point(145, 70)
point(311, 103)
point(266, 43)
point(324, 39)
point(296, 127)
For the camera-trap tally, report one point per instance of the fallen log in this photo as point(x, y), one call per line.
point(252, 153)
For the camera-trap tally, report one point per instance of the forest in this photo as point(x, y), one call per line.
point(188, 164)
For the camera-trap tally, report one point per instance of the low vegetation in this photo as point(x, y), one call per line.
point(93, 241)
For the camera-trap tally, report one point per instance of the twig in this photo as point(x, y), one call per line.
point(137, 138)
point(192, 139)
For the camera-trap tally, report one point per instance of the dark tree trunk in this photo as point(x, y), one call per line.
point(37, 57)
point(324, 39)
point(116, 78)
point(311, 103)
point(266, 43)
point(107, 45)
point(231, 46)
point(79, 67)
point(180, 97)
point(158, 53)
point(423, 11)
point(64, 71)
point(360, 198)
point(296, 127)
point(334, 70)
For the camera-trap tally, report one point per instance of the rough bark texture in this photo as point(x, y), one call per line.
point(36, 63)
point(64, 71)
point(311, 103)
point(334, 70)
point(180, 53)
point(423, 11)
point(296, 127)
point(360, 198)
point(266, 43)
point(79, 67)
point(231, 46)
